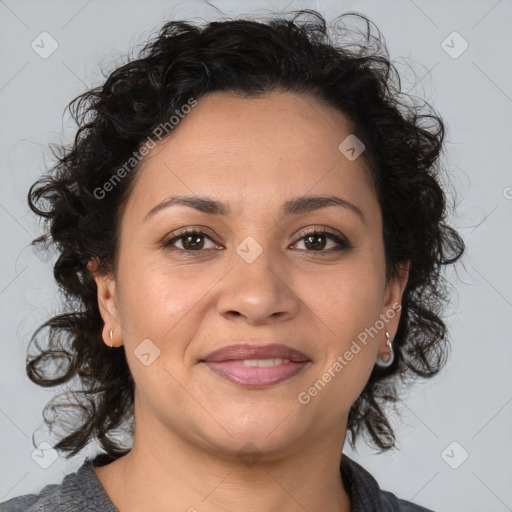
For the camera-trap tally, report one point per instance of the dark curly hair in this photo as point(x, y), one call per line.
point(348, 70)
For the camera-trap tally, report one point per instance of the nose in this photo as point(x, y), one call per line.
point(257, 293)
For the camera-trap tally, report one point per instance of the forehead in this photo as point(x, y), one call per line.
point(252, 151)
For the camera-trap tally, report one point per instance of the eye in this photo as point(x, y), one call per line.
point(191, 241)
point(316, 241)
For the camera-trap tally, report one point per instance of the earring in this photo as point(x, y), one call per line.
point(385, 364)
point(111, 336)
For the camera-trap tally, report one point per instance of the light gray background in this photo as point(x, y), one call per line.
point(469, 402)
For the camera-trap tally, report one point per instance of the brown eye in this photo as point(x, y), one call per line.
point(191, 241)
point(316, 241)
point(194, 241)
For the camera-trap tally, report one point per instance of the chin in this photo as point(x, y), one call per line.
point(254, 432)
point(251, 446)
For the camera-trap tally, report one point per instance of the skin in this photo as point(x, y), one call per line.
point(191, 426)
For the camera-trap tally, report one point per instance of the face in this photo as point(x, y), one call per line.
point(253, 274)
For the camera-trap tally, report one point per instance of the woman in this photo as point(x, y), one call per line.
point(251, 222)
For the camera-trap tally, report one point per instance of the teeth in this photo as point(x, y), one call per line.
point(264, 362)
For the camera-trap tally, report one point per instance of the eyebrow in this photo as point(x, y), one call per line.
point(294, 206)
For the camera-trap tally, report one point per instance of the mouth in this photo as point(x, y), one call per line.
point(254, 366)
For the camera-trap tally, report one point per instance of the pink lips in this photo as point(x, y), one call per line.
point(228, 363)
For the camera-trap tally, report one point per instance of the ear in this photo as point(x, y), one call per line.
point(393, 298)
point(107, 304)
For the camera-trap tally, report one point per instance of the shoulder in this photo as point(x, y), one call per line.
point(48, 499)
point(396, 504)
point(366, 494)
point(79, 491)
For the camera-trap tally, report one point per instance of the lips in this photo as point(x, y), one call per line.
point(245, 351)
point(254, 366)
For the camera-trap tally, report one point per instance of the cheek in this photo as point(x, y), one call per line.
point(161, 303)
point(346, 303)
point(154, 289)
point(347, 298)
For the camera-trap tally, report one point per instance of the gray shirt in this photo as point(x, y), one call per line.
point(82, 492)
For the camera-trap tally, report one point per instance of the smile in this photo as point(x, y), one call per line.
point(257, 373)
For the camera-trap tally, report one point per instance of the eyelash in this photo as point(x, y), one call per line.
point(343, 244)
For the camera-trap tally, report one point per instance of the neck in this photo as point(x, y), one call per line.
point(168, 472)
